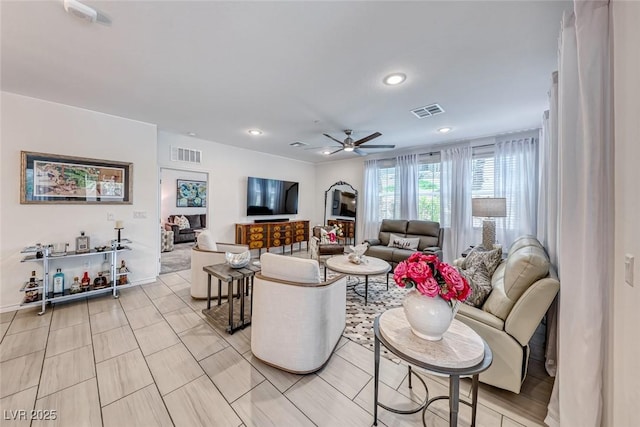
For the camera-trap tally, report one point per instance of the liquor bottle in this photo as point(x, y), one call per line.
point(122, 279)
point(75, 286)
point(85, 282)
point(100, 282)
point(39, 253)
point(58, 283)
point(106, 270)
point(82, 243)
point(30, 296)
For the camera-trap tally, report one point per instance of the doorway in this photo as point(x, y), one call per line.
point(183, 193)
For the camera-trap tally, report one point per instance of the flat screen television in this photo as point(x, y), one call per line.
point(271, 197)
point(344, 204)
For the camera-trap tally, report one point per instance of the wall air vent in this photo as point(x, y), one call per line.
point(179, 154)
point(428, 111)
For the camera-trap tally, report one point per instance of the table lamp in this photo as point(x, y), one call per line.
point(489, 208)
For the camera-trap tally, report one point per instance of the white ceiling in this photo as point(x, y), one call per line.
point(293, 69)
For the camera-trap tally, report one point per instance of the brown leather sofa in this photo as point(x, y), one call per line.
point(196, 222)
point(429, 232)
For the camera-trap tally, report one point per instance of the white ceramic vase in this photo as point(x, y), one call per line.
point(428, 317)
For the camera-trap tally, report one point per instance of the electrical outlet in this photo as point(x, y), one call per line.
point(110, 216)
point(628, 269)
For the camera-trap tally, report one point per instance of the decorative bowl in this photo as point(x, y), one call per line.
point(238, 260)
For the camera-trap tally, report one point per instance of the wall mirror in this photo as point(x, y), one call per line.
point(340, 202)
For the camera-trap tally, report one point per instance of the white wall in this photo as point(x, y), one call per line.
point(34, 125)
point(621, 406)
point(168, 192)
point(228, 169)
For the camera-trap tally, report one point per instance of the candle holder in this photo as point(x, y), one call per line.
point(119, 238)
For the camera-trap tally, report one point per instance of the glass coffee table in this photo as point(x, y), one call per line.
point(370, 267)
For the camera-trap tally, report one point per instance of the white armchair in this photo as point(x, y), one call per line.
point(297, 319)
point(203, 257)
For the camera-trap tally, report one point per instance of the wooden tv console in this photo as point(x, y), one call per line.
point(267, 235)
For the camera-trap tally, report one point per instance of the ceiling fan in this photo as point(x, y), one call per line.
point(350, 145)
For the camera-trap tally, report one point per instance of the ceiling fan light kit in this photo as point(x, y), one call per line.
point(80, 10)
point(349, 145)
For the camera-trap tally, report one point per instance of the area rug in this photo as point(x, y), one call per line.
point(176, 260)
point(360, 317)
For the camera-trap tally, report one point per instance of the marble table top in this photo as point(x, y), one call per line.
point(369, 267)
point(460, 347)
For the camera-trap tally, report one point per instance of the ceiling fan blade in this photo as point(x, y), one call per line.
point(378, 146)
point(367, 138)
point(339, 149)
point(336, 140)
point(359, 152)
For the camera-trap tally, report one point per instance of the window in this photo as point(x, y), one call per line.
point(482, 171)
point(429, 189)
point(387, 188)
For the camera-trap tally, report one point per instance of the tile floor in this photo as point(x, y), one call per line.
point(149, 359)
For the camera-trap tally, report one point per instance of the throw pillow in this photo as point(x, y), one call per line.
point(183, 222)
point(490, 259)
point(396, 241)
point(206, 242)
point(480, 282)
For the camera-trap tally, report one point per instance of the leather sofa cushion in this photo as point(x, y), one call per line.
point(291, 269)
point(382, 252)
point(424, 228)
point(522, 268)
point(425, 241)
point(388, 226)
point(194, 221)
point(524, 241)
point(401, 254)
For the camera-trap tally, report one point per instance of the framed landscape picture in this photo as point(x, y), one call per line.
point(191, 194)
point(53, 178)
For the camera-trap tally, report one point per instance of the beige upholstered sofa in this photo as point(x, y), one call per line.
point(297, 319)
point(210, 254)
point(523, 287)
point(428, 233)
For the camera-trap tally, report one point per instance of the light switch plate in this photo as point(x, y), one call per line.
point(628, 269)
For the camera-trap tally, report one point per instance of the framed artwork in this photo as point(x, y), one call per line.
point(53, 178)
point(191, 194)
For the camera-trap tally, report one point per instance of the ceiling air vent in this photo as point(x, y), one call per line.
point(298, 144)
point(179, 154)
point(428, 111)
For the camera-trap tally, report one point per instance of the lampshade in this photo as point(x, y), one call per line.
point(489, 207)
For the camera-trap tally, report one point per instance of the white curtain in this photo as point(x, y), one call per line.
point(548, 211)
point(516, 179)
point(585, 227)
point(406, 189)
point(371, 196)
point(455, 201)
point(548, 193)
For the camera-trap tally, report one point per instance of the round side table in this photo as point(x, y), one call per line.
point(370, 267)
point(460, 352)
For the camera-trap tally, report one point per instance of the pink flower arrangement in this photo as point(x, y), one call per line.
point(432, 278)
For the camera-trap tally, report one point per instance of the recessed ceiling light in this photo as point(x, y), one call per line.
point(254, 132)
point(326, 152)
point(191, 134)
point(444, 130)
point(395, 79)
